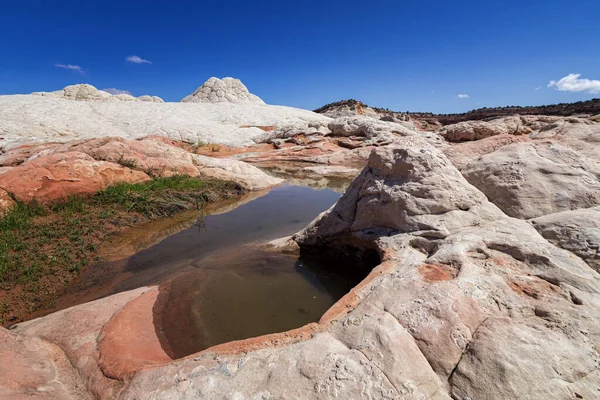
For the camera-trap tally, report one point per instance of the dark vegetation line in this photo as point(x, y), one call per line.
point(591, 107)
point(44, 247)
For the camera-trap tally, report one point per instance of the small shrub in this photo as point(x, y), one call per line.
point(126, 162)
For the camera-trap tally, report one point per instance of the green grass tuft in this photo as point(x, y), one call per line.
point(42, 245)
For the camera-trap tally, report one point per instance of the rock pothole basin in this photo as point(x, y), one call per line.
point(218, 282)
point(247, 292)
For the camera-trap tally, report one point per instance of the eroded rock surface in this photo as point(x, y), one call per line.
point(50, 173)
point(32, 368)
point(467, 302)
point(87, 92)
point(229, 90)
point(468, 282)
point(577, 231)
point(530, 179)
point(512, 125)
point(30, 119)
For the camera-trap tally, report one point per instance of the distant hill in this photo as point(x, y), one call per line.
point(589, 107)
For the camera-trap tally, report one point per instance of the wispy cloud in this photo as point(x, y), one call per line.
point(572, 83)
point(538, 88)
point(69, 66)
point(462, 96)
point(138, 60)
point(117, 91)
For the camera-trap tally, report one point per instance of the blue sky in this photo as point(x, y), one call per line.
point(404, 55)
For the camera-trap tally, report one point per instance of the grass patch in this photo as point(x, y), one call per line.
point(43, 248)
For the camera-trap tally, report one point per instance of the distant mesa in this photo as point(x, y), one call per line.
point(226, 90)
point(87, 92)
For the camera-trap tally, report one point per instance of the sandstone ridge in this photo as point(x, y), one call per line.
point(87, 92)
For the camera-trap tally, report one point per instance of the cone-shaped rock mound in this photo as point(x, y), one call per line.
point(226, 90)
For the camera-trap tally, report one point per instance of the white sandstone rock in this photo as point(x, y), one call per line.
point(497, 311)
point(577, 231)
point(466, 302)
point(152, 99)
point(530, 179)
point(229, 90)
point(511, 125)
point(87, 92)
point(27, 119)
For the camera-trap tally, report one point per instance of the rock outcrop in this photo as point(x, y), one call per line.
point(84, 167)
point(36, 369)
point(513, 125)
point(226, 90)
point(28, 119)
point(530, 179)
point(466, 302)
point(577, 231)
point(87, 92)
point(151, 99)
point(55, 177)
point(470, 284)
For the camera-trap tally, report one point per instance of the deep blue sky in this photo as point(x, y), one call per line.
point(404, 55)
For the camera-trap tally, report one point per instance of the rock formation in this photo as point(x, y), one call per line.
point(86, 166)
point(87, 92)
point(558, 177)
point(485, 236)
point(466, 302)
point(151, 99)
point(513, 125)
point(226, 90)
point(28, 119)
point(577, 231)
point(431, 121)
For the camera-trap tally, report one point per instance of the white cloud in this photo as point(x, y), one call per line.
point(538, 88)
point(138, 60)
point(572, 83)
point(117, 91)
point(462, 96)
point(69, 66)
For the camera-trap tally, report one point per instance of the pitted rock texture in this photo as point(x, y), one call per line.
point(228, 90)
point(87, 92)
point(531, 179)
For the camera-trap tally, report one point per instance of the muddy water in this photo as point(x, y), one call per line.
point(217, 283)
point(281, 212)
point(246, 292)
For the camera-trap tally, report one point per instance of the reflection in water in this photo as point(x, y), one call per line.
point(217, 285)
point(258, 216)
point(283, 211)
point(247, 292)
